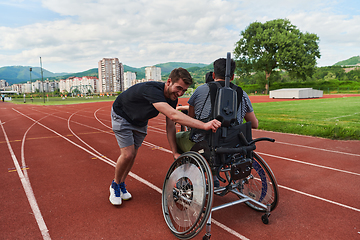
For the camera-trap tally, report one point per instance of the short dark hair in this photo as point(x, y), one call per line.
point(220, 68)
point(182, 73)
point(209, 77)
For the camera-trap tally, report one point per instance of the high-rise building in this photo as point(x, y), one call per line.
point(111, 75)
point(129, 77)
point(153, 73)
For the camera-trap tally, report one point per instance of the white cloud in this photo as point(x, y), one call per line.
point(145, 32)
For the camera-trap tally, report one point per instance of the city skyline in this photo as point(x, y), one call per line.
point(71, 36)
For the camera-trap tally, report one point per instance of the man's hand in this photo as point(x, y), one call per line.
point(212, 125)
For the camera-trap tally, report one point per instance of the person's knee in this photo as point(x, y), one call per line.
point(128, 153)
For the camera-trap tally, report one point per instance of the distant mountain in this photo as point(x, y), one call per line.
point(349, 62)
point(16, 74)
point(168, 67)
point(197, 72)
point(20, 74)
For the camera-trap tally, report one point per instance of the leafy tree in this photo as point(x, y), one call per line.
point(276, 44)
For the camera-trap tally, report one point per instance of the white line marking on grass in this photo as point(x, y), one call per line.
point(29, 192)
point(327, 119)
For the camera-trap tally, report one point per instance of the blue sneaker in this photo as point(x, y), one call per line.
point(115, 197)
point(125, 195)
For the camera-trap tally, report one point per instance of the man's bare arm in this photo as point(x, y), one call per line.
point(179, 117)
point(250, 117)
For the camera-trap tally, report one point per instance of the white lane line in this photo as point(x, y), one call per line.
point(58, 134)
point(68, 122)
point(158, 129)
point(311, 164)
point(23, 149)
point(320, 198)
point(99, 119)
point(28, 191)
point(320, 149)
point(229, 230)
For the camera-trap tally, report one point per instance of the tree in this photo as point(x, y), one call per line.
point(276, 44)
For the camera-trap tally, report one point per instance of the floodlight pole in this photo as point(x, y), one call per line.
point(42, 79)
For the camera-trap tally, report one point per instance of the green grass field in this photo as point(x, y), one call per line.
point(334, 118)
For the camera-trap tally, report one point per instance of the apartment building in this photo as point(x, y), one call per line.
point(82, 85)
point(129, 77)
point(111, 75)
point(3, 84)
point(153, 73)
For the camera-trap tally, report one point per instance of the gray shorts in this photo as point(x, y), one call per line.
point(126, 133)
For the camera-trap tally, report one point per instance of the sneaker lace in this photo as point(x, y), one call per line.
point(122, 187)
point(116, 189)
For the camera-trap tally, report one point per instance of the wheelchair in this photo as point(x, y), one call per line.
point(188, 188)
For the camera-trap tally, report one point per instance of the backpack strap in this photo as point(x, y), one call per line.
point(215, 85)
point(207, 96)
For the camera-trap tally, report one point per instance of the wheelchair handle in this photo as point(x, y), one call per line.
point(246, 143)
point(243, 150)
point(262, 139)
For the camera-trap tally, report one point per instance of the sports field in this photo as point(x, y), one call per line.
point(334, 118)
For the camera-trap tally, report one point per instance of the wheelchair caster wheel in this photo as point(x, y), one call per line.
point(265, 219)
point(206, 237)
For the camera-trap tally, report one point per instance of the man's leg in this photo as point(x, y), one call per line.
point(129, 138)
point(123, 166)
point(125, 163)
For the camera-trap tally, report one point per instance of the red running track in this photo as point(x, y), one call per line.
point(57, 163)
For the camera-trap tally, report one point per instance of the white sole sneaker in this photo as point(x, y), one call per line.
point(125, 196)
point(113, 199)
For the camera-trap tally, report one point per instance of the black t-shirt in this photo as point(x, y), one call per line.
point(136, 103)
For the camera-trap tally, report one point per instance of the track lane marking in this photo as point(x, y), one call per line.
point(320, 149)
point(320, 198)
point(310, 164)
point(29, 192)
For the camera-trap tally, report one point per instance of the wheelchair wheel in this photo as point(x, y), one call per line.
point(260, 185)
point(187, 195)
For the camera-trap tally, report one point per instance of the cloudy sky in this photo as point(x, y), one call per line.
point(73, 35)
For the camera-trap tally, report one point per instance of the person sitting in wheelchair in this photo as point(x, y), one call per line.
point(201, 106)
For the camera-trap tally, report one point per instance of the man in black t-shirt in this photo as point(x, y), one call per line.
point(130, 114)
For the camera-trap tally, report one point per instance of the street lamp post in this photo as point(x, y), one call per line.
point(30, 83)
point(42, 80)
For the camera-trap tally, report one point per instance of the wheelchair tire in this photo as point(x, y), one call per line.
point(261, 186)
point(187, 195)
